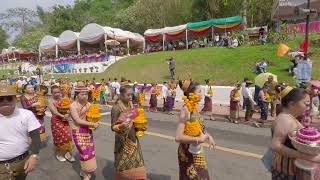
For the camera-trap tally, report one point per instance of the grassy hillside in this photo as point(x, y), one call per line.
point(224, 66)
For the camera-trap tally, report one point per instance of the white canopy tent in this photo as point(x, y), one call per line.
point(91, 34)
point(94, 33)
point(167, 30)
point(48, 43)
point(69, 39)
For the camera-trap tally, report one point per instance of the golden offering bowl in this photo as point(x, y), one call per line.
point(41, 110)
point(64, 110)
point(93, 120)
point(140, 128)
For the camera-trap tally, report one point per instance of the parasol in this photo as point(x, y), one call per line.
point(262, 78)
point(112, 42)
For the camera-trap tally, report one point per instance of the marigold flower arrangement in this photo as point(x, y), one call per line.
point(64, 107)
point(66, 88)
point(140, 123)
point(15, 85)
point(156, 91)
point(192, 125)
point(140, 97)
point(93, 113)
point(210, 91)
point(41, 99)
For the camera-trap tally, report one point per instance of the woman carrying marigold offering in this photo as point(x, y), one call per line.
point(191, 133)
point(31, 101)
point(81, 133)
point(207, 107)
point(128, 159)
point(153, 99)
point(60, 125)
point(235, 103)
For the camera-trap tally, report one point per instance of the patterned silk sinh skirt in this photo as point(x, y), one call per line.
point(191, 166)
point(83, 140)
point(61, 134)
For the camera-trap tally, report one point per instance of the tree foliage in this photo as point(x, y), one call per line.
point(3, 39)
point(30, 39)
point(132, 15)
point(18, 19)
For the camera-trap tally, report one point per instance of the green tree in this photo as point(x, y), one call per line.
point(18, 19)
point(30, 39)
point(3, 39)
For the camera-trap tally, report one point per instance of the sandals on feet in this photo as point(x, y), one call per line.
point(60, 158)
point(70, 158)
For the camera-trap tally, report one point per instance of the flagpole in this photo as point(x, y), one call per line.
point(307, 32)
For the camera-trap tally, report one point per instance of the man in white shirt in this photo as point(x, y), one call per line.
point(164, 90)
point(17, 158)
point(243, 88)
point(249, 102)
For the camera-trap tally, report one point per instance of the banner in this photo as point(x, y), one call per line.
point(63, 68)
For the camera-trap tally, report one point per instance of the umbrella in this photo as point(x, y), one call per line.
point(263, 77)
point(112, 42)
point(315, 83)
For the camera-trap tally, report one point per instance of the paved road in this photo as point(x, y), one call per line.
point(239, 145)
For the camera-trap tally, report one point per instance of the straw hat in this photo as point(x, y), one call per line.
point(7, 91)
point(81, 87)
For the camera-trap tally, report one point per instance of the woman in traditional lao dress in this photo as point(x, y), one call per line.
point(170, 98)
point(235, 103)
point(207, 107)
point(29, 101)
point(82, 135)
point(60, 127)
point(191, 166)
point(153, 99)
point(128, 159)
point(294, 102)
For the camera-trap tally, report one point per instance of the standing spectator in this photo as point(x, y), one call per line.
point(235, 103)
point(264, 100)
point(171, 67)
point(243, 88)
point(249, 102)
point(17, 157)
point(216, 39)
point(272, 92)
point(117, 88)
point(164, 90)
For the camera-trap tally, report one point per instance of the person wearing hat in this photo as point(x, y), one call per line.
point(272, 92)
point(17, 125)
point(249, 102)
point(81, 133)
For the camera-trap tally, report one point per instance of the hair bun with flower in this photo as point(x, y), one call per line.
point(285, 91)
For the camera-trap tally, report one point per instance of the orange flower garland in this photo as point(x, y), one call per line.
point(95, 92)
point(64, 105)
point(140, 123)
point(42, 108)
point(192, 126)
point(140, 98)
point(93, 114)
